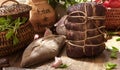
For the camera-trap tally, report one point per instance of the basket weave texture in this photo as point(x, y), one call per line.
point(112, 21)
point(24, 34)
point(19, 9)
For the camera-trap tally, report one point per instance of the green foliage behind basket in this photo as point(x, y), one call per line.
point(65, 3)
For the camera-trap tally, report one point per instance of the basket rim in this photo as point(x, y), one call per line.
point(14, 9)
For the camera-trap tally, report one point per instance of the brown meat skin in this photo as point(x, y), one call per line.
point(85, 36)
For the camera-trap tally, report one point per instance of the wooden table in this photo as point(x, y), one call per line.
point(96, 63)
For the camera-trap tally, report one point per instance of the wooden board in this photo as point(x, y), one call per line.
point(96, 63)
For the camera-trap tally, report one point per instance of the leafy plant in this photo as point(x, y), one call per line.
point(63, 66)
point(64, 3)
point(110, 66)
point(11, 25)
point(118, 39)
point(113, 33)
point(113, 51)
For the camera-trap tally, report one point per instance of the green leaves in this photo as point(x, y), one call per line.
point(110, 66)
point(9, 34)
point(113, 33)
point(2, 21)
point(113, 54)
point(15, 40)
point(23, 20)
point(68, 3)
point(11, 25)
point(118, 39)
point(63, 66)
point(114, 51)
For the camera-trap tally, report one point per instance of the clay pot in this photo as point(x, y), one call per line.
point(42, 15)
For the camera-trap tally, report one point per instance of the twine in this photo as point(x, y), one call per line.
point(8, 1)
point(86, 18)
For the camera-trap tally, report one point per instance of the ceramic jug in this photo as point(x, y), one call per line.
point(42, 15)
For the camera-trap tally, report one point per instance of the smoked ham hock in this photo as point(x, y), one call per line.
point(84, 27)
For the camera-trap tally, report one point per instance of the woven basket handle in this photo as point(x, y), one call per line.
point(8, 1)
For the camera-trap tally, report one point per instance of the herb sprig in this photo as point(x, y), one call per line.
point(118, 39)
point(11, 25)
point(63, 66)
point(114, 51)
point(110, 66)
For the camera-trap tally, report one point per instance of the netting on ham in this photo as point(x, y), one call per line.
point(85, 28)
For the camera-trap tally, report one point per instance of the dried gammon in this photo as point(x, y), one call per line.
point(85, 30)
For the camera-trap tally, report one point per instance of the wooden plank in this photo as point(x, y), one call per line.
point(14, 68)
point(96, 63)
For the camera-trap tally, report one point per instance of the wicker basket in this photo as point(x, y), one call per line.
point(25, 36)
point(112, 19)
point(25, 32)
point(14, 10)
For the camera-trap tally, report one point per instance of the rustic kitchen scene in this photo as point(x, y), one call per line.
point(59, 34)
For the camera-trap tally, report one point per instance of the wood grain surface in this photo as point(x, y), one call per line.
point(95, 63)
